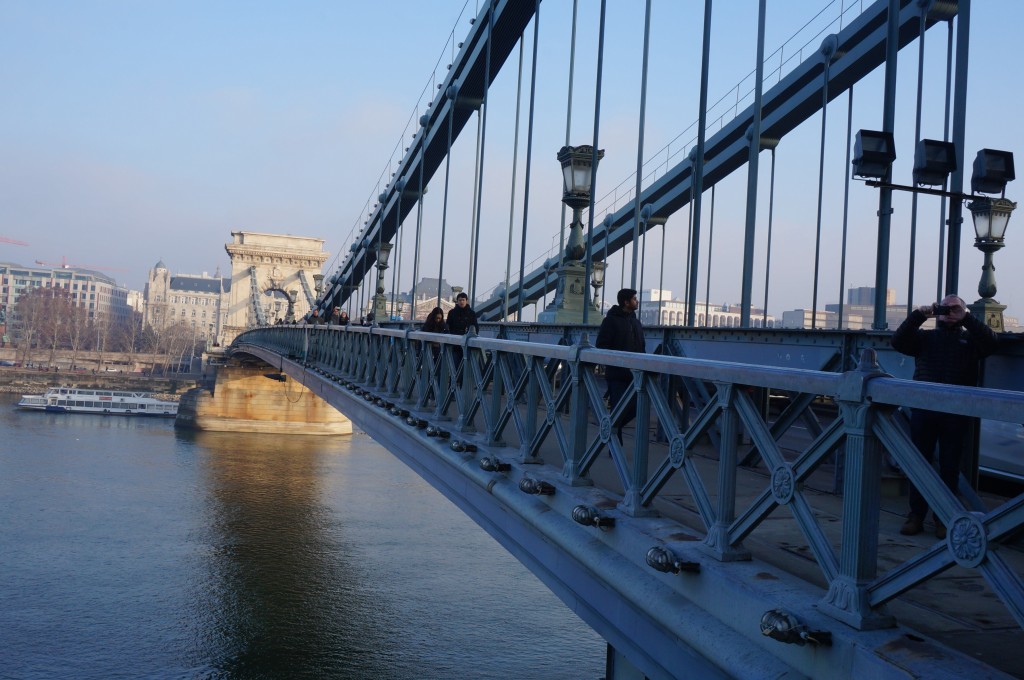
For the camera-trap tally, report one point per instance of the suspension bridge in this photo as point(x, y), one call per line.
point(747, 525)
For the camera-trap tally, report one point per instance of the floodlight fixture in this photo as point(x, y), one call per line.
point(992, 170)
point(873, 154)
point(933, 161)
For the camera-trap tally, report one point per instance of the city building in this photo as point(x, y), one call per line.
point(659, 308)
point(190, 299)
point(98, 294)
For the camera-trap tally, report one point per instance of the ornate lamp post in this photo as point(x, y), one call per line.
point(570, 294)
point(380, 302)
point(596, 281)
point(990, 215)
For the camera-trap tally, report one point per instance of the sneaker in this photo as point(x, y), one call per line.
point(913, 526)
point(940, 529)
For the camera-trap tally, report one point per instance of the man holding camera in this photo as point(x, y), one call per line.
point(948, 354)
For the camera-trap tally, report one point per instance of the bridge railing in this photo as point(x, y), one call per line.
point(530, 395)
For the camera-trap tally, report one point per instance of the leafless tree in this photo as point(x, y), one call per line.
point(30, 316)
point(78, 332)
point(55, 322)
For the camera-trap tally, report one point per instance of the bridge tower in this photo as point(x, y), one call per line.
point(268, 273)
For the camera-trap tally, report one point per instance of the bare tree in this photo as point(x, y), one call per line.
point(30, 315)
point(55, 321)
point(78, 332)
point(101, 327)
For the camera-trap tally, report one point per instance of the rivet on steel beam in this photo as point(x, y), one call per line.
point(666, 561)
point(463, 447)
point(590, 517)
point(536, 487)
point(494, 465)
point(780, 625)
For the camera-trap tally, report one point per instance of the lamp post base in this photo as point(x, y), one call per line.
point(570, 296)
point(380, 308)
point(990, 312)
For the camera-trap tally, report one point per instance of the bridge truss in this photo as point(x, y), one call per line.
point(518, 435)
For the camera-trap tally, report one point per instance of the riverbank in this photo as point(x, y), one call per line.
point(31, 381)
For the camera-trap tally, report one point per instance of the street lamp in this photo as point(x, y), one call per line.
point(318, 283)
point(933, 162)
point(577, 170)
point(578, 164)
point(596, 281)
point(380, 307)
point(990, 219)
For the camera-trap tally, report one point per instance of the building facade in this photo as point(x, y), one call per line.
point(98, 294)
point(192, 300)
point(659, 308)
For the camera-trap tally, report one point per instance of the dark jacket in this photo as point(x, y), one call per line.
point(429, 326)
point(620, 330)
point(460, 319)
point(946, 354)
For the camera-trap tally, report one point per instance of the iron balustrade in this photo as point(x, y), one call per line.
point(543, 393)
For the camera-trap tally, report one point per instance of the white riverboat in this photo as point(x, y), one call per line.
point(102, 402)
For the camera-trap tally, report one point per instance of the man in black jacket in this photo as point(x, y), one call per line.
point(462, 316)
point(622, 331)
point(948, 354)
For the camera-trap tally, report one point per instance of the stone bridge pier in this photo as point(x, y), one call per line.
point(249, 397)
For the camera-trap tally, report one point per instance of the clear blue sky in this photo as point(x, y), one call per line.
point(137, 131)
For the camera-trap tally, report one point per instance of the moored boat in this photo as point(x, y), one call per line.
point(100, 402)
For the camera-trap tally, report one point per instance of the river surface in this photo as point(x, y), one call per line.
point(130, 550)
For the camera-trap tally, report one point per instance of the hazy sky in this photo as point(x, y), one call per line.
point(138, 131)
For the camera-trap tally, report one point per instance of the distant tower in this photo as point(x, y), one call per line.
point(157, 288)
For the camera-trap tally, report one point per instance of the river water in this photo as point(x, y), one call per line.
point(131, 550)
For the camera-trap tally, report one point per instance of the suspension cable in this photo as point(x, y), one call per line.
point(640, 140)
point(529, 159)
point(593, 162)
point(512, 199)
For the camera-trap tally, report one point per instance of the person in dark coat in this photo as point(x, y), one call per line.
point(343, 318)
point(435, 323)
point(462, 316)
point(621, 330)
point(948, 354)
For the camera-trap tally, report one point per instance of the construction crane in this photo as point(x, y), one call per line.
point(64, 264)
point(12, 241)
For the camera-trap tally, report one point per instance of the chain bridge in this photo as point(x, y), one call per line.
point(746, 525)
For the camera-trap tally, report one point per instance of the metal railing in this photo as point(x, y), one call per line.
point(546, 394)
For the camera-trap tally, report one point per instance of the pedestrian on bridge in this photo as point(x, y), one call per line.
point(948, 354)
point(435, 322)
point(621, 330)
point(462, 316)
